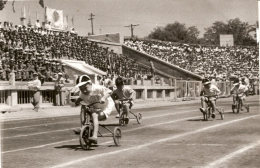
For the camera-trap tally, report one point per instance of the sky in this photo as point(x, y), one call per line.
point(111, 16)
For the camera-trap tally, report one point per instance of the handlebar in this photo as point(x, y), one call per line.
point(122, 100)
point(89, 105)
point(216, 96)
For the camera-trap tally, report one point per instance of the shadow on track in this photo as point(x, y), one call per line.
point(73, 147)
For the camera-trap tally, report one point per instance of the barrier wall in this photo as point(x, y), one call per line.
point(145, 90)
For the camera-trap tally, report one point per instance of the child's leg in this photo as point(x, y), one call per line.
point(213, 103)
point(234, 99)
point(126, 109)
point(117, 105)
point(203, 103)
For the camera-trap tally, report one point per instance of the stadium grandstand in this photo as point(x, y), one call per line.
point(214, 61)
point(26, 50)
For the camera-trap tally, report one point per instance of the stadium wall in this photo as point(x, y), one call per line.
point(18, 93)
point(116, 47)
point(111, 37)
point(160, 65)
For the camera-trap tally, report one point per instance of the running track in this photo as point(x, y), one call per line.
point(172, 136)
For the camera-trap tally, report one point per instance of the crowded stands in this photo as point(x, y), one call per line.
point(26, 50)
point(214, 61)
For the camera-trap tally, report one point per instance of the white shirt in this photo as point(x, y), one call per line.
point(239, 90)
point(97, 93)
point(211, 91)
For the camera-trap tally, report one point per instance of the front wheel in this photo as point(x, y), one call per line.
point(85, 133)
point(117, 136)
point(239, 106)
point(139, 118)
point(221, 112)
point(82, 115)
point(247, 108)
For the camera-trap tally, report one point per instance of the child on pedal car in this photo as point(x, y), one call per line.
point(123, 92)
point(91, 93)
point(239, 90)
point(209, 93)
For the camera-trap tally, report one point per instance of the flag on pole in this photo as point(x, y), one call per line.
point(72, 21)
point(55, 17)
point(13, 6)
point(23, 12)
point(41, 2)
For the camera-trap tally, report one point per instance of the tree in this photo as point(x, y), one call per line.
point(240, 31)
point(2, 4)
point(175, 32)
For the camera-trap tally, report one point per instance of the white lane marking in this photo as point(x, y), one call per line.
point(36, 125)
point(40, 146)
point(175, 144)
point(37, 133)
point(45, 132)
point(233, 154)
point(150, 143)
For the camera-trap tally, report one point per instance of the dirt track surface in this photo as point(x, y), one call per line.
point(172, 136)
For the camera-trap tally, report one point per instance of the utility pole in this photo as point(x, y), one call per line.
point(91, 19)
point(132, 29)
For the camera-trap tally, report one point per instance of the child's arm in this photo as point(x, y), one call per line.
point(77, 102)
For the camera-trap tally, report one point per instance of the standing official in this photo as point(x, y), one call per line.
point(59, 96)
point(35, 86)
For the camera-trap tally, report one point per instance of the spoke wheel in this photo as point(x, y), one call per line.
point(139, 118)
point(117, 136)
point(83, 138)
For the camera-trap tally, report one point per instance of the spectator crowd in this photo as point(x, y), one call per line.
point(28, 50)
point(209, 61)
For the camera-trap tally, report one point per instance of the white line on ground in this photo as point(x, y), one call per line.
point(37, 125)
point(233, 154)
point(175, 144)
point(151, 125)
point(45, 132)
point(151, 143)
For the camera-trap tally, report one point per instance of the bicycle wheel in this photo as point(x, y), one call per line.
point(139, 118)
point(207, 115)
point(122, 120)
point(233, 108)
point(82, 115)
point(85, 133)
point(221, 112)
point(247, 108)
point(117, 136)
point(239, 106)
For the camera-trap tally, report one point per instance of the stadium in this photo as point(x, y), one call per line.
point(173, 95)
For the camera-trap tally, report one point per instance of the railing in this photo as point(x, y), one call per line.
point(48, 96)
point(24, 96)
point(3, 96)
point(186, 90)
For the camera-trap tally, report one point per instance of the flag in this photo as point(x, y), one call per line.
point(72, 21)
point(41, 2)
point(23, 12)
point(13, 6)
point(55, 17)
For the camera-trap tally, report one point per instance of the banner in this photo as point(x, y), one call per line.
point(55, 17)
point(226, 40)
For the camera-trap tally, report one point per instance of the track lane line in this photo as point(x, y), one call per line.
point(151, 143)
point(46, 132)
point(54, 143)
point(229, 156)
point(36, 125)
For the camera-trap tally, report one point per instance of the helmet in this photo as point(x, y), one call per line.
point(236, 81)
point(82, 80)
point(119, 81)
